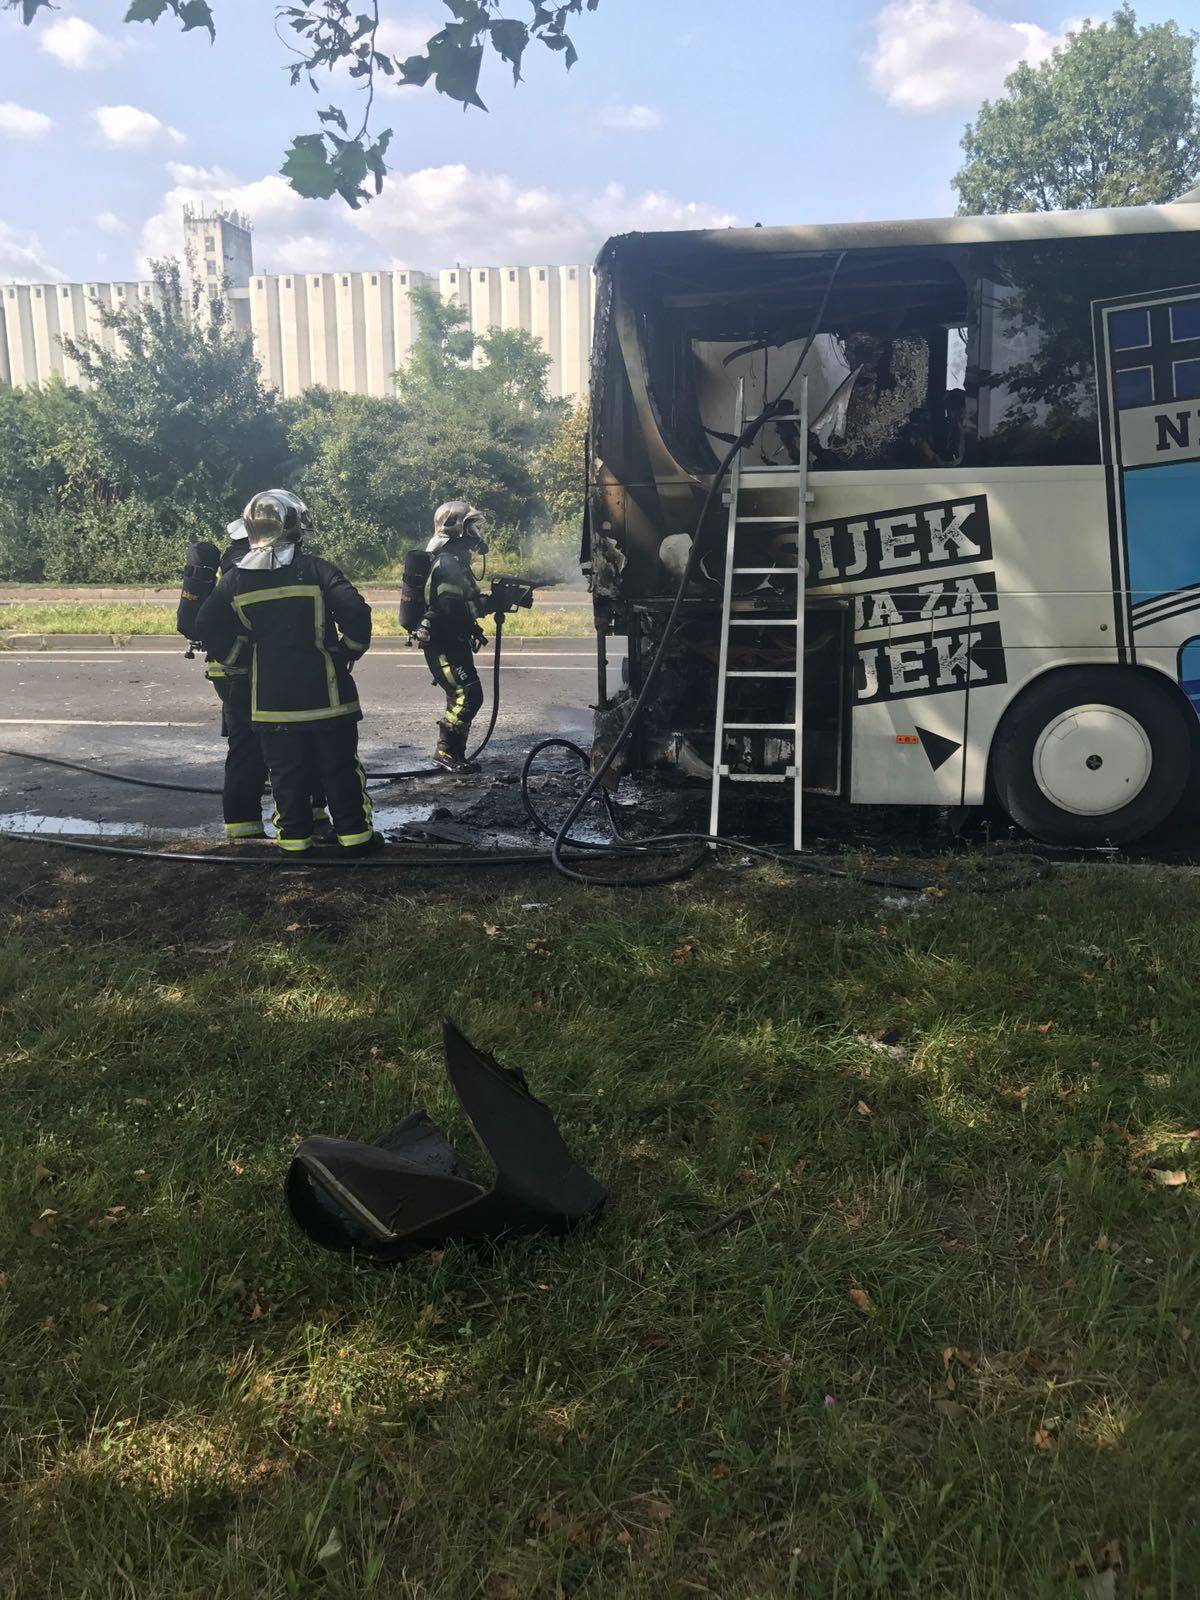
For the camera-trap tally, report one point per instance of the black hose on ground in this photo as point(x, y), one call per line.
point(345, 861)
point(663, 843)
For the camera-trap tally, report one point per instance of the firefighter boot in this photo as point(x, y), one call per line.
point(451, 752)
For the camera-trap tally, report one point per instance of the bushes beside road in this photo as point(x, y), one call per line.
point(108, 484)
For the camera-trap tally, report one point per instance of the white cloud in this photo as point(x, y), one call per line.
point(109, 222)
point(427, 218)
point(930, 55)
point(277, 211)
point(631, 119)
point(129, 127)
point(18, 122)
point(76, 44)
point(454, 213)
point(406, 36)
point(21, 258)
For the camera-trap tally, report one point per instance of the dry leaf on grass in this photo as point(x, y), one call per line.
point(1044, 1027)
point(95, 1308)
point(862, 1300)
point(1168, 1180)
point(1043, 1439)
point(42, 1174)
point(112, 1218)
point(950, 1409)
point(492, 931)
point(1099, 1578)
point(685, 951)
point(41, 1227)
point(656, 1510)
point(863, 1109)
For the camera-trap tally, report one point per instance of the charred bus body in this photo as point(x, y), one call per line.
point(1002, 554)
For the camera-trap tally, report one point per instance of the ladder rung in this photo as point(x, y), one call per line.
point(760, 727)
point(794, 520)
point(758, 777)
point(765, 622)
point(768, 674)
point(783, 572)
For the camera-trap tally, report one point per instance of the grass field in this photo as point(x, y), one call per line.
point(124, 620)
point(948, 1349)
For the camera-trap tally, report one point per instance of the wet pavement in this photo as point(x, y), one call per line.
point(149, 714)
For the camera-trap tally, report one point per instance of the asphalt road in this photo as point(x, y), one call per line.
point(148, 712)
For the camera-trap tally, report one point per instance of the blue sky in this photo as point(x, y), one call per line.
point(680, 113)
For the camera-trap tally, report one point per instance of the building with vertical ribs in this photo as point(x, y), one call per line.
point(334, 330)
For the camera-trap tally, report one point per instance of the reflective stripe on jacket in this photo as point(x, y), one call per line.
point(304, 624)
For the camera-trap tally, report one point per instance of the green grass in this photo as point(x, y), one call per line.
point(196, 1403)
point(124, 620)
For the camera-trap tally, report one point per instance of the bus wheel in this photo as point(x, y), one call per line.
point(1086, 757)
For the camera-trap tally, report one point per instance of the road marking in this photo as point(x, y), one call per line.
point(383, 655)
point(73, 722)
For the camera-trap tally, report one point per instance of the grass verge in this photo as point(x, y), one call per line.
point(947, 1351)
point(124, 620)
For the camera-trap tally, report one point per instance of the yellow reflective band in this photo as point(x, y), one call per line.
point(294, 844)
point(354, 838)
point(321, 714)
point(306, 591)
point(310, 591)
point(244, 830)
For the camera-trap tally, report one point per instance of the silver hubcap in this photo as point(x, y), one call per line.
point(1092, 760)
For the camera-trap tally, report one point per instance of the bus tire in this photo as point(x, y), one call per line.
point(1092, 756)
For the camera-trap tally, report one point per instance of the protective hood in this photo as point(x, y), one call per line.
point(267, 558)
point(411, 1190)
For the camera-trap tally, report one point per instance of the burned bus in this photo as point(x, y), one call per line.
point(998, 545)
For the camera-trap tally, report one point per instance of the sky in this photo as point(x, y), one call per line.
point(678, 114)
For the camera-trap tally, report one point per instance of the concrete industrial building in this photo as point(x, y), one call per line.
point(337, 330)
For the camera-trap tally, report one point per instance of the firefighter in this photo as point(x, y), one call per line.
point(450, 632)
point(245, 767)
point(245, 775)
point(302, 625)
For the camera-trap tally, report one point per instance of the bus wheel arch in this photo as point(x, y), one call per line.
point(1087, 755)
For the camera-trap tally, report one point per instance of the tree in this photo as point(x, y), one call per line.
point(468, 418)
point(327, 34)
point(1109, 119)
point(560, 469)
point(172, 436)
point(176, 410)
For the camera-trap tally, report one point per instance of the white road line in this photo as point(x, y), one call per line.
point(384, 655)
point(73, 722)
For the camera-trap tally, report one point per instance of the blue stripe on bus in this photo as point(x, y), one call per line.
point(1162, 528)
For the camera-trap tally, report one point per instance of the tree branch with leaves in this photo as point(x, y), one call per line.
point(345, 156)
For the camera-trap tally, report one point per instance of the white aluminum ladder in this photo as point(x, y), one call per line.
point(792, 627)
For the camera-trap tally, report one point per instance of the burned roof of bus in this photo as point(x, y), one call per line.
point(715, 247)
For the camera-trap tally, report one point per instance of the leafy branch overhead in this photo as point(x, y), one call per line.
point(343, 156)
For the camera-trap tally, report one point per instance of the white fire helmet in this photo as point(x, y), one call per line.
point(275, 517)
point(456, 519)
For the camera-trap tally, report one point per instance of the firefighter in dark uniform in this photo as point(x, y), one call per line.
point(450, 633)
point(302, 625)
point(245, 766)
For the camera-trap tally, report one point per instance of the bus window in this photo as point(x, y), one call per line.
point(1035, 378)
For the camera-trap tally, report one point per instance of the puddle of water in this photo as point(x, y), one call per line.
point(386, 817)
point(33, 822)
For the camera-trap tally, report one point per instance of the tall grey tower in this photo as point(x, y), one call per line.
point(219, 250)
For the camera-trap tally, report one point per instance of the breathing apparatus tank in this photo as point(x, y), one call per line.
point(412, 589)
